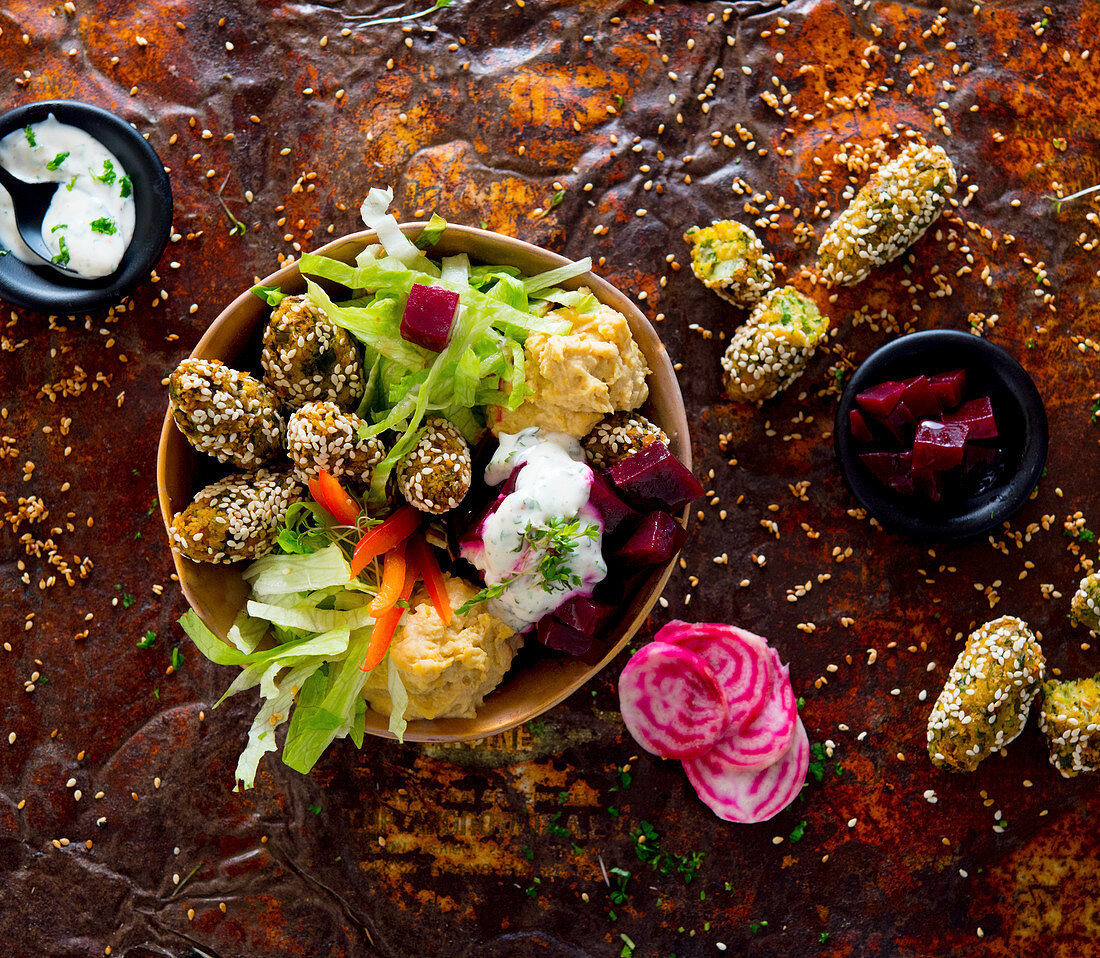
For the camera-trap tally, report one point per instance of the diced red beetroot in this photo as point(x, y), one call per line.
point(977, 457)
point(655, 541)
point(654, 477)
point(948, 388)
point(929, 482)
point(561, 638)
point(938, 445)
point(614, 511)
point(762, 740)
point(509, 485)
point(429, 313)
point(879, 401)
point(978, 415)
point(892, 468)
point(740, 659)
point(584, 615)
point(861, 432)
point(671, 701)
point(900, 422)
point(754, 795)
point(920, 398)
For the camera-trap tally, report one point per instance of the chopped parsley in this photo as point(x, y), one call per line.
point(59, 226)
point(127, 599)
point(647, 846)
point(29, 134)
point(823, 937)
point(69, 186)
point(618, 893)
point(56, 162)
point(177, 659)
point(798, 831)
point(125, 187)
point(108, 175)
point(316, 809)
point(1096, 409)
point(147, 642)
point(104, 225)
point(62, 258)
point(628, 947)
point(556, 199)
point(1081, 535)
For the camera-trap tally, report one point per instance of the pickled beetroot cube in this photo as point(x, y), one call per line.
point(978, 415)
point(879, 401)
point(584, 614)
point(939, 446)
point(861, 432)
point(559, 637)
point(900, 422)
point(948, 388)
point(892, 468)
point(612, 509)
point(655, 541)
point(429, 313)
point(977, 459)
point(920, 398)
point(654, 477)
point(930, 483)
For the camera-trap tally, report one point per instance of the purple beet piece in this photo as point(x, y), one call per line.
point(894, 469)
point(938, 445)
point(978, 415)
point(655, 541)
point(929, 482)
point(654, 477)
point(920, 398)
point(879, 401)
point(614, 511)
point(977, 457)
point(900, 422)
point(429, 313)
point(861, 432)
point(561, 638)
point(584, 614)
point(948, 388)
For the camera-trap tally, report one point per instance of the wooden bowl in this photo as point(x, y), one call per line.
point(217, 592)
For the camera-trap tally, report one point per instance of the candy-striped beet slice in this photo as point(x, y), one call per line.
point(766, 737)
point(750, 795)
point(671, 701)
point(741, 660)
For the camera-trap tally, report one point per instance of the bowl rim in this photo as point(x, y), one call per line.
point(989, 509)
point(43, 290)
point(457, 730)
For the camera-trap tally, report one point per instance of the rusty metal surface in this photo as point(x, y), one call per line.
point(119, 832)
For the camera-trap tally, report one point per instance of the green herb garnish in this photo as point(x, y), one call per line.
point(147, 642)
point(438, 5)
point(177, 659)
point(57, 161)
point(108, 175)
point(104, 225)
point(62, 258)
point(125, 187)
point(798, 831)
point(59, 226)
point(29, 134)
point(69, 186)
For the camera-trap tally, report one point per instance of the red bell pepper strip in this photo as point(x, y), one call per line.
point(393, 578)
point(424, 556)
point(397, 528)
point(327, 491)
point(386, 624)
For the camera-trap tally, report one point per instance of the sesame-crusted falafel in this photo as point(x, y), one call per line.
point(984, 704)
point(888, 215)
point(225, 413)
point(237, 517)
point(771, 350)
point(729, 259)
point(1070, 719)
point(616, 437)
point(307, 357)
point(436, 474)
point(320, 436)
point(1085, 607)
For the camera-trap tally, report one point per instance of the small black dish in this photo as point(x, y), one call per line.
point(45, 290)
point(1021, 427)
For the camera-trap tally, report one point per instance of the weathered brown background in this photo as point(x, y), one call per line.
point(498, 850)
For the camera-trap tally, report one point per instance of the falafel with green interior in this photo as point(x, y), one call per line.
point(225, 413)
point(729, 259)
point(307, 357)
point(435, 475)
point(237, 517)
point(985, 701)
point(1085, 607)
point(320, 436)
point(618, 436)
point(1070, 719)
point(888, 215)
point(772, 349)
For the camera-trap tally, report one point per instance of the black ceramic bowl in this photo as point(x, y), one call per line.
point(1021, 426)
point(45, 290)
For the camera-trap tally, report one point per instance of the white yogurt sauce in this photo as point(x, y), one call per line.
point(554, 484)
point(90, 221)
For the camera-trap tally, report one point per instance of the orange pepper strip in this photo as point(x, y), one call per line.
point(393, 578)
point(343, 508)
point(386, 624)
point(397, 528)
point(424, 556)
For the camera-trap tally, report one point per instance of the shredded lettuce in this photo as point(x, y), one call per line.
point(275, 574)
point(429, 236)
point(555, 277)
point(375, 214)
point(399, 699)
